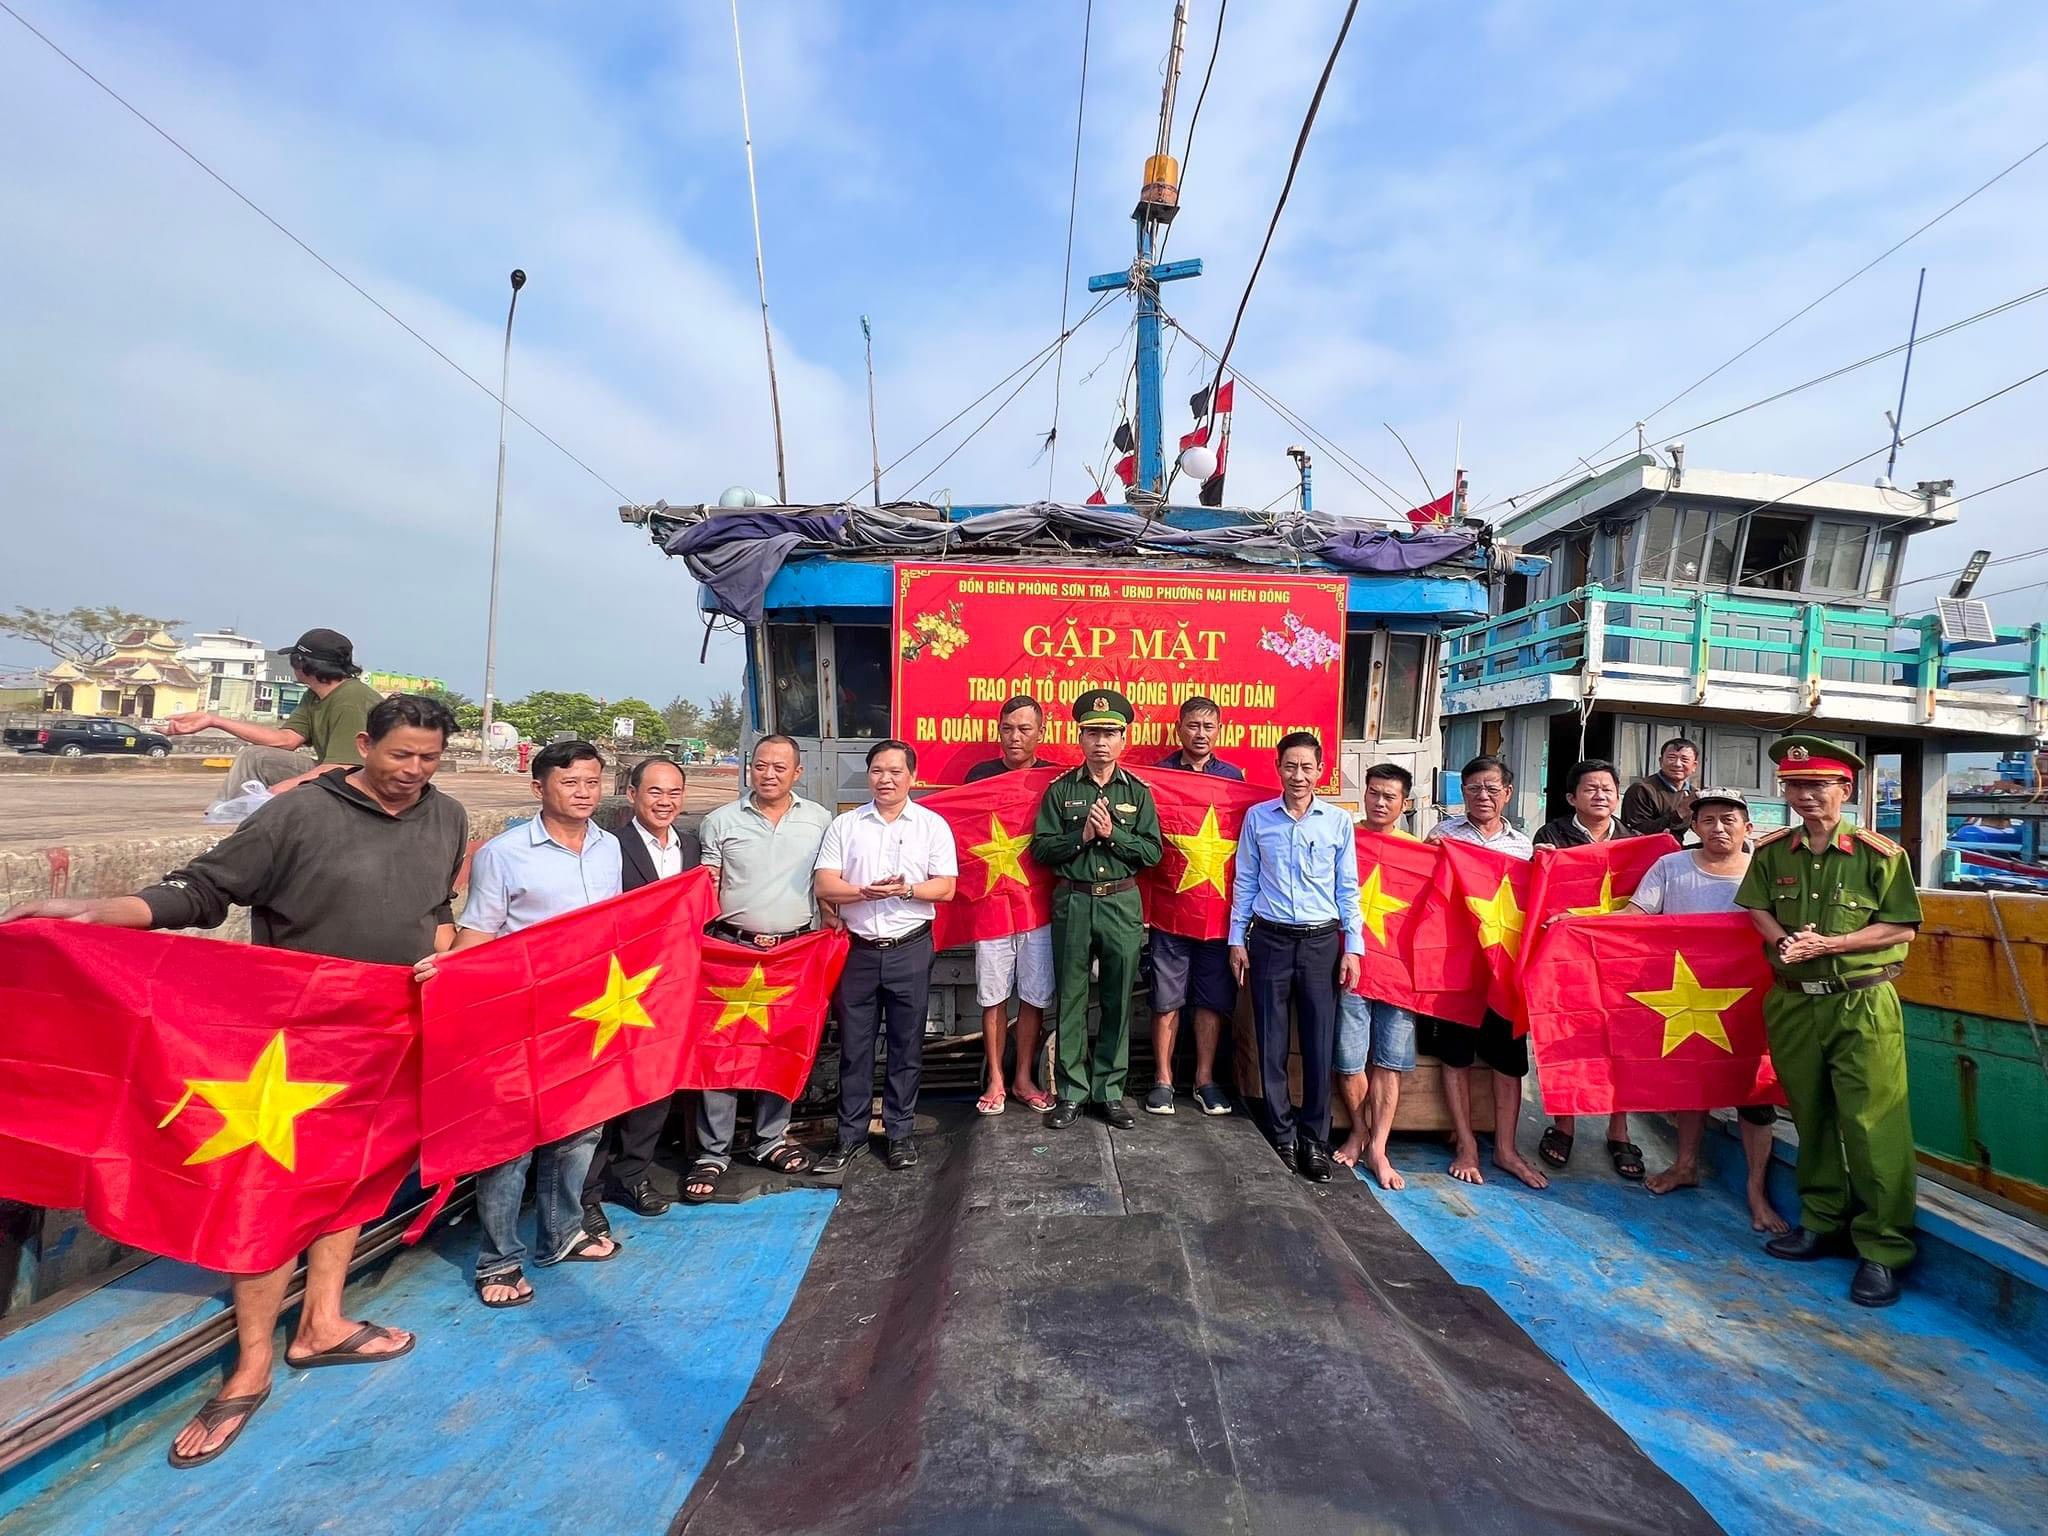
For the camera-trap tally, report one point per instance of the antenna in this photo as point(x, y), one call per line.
point(1905, 374)
point(760, 267)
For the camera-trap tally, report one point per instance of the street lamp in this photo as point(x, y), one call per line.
point(498, 522)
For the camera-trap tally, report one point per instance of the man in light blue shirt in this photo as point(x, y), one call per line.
point(558, 862)
point(1296, 936)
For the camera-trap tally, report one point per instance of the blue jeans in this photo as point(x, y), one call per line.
point(559, 1167)
point(1373, 1033)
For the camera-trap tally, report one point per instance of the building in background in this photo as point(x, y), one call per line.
point(141, 679)
point(403, 682)
point(231, 667)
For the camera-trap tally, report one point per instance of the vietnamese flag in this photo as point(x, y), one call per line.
point(1591, 880)
point(1002, 890)
point(223, 1104)
point(1643, 1014)
point(559, 1027)
point(1452, 975)
point(1494, 889)
point(1200, 815)
point(760, 1013)
point(1395, 878)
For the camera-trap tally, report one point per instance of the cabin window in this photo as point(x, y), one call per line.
point(1405, 688)
point(1658, 530)
point(860, 655)
point(793, 673)
point(1775, 553)
point(1689, 555)
point(1357, 683)
point(1838, 555)
point(1883, 567)
point(1721, 550)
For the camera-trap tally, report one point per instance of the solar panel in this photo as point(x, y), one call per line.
point(1966, 620)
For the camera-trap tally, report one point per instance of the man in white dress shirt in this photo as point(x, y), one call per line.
point(884, 866)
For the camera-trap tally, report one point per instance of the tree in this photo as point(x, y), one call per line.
point(469, 715)
point(722, 725)
point(682, 719)
point(650, 725)
point(545, 715)
point(82, 635)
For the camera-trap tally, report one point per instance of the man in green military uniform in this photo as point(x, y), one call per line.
point(1837, 908)
point(1097, 827)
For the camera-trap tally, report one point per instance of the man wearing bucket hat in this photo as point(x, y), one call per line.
point(1837, 909)
point(328, 720)
point(1097, 827)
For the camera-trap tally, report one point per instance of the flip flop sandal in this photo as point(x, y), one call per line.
point(1038, 1105)
point(784, 1157)
point(701, 1172)
point(510, 1278)
point(1628, 1160)
point(579, 1251)
point(1555, 1148)
point(350, 1351)
point(989, 1104)
point(215, 1412)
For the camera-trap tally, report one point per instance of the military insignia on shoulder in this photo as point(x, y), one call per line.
point(1771, 837)
point(1879, 841)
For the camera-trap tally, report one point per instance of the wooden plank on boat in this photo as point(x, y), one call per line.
point(1958, 963)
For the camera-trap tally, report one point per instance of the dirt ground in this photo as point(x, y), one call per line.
point(57, 810)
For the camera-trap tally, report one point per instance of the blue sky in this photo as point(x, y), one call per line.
point(1533, 222)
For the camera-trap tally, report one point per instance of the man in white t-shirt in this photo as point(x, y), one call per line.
point(1699, 880)
point(884, 867)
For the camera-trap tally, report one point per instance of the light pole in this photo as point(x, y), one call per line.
point(498, 523)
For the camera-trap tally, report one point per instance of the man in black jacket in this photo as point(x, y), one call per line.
point(360, 864)
point(651, 848)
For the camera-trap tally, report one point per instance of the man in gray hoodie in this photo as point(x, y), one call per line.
point(360, 864)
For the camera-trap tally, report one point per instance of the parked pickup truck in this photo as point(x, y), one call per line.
point(75, 738)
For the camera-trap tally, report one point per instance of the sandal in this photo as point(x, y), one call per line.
point(350, 1351)
point(1628, 1160)
point(1037, 1103)
point(701, 1182)
point(1555, 1148)
point(511, 1279)
point(213, 1413)
point(579, 1251)
point(785, 1157)
point(990, 1103)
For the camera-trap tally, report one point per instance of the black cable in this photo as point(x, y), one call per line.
point(971, 436)
point(1293, 165)
point(1052, 440)
point(1187, 148)
point(260, 212)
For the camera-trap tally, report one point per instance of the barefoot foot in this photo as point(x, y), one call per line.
point(1677, 1176)
point(1465, 1162)
point(1348, 1153)
point(1511, 1162)
point(1390, 1176)
point(1763, 1216)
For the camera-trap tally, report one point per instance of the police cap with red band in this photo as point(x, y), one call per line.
point(1814, 757)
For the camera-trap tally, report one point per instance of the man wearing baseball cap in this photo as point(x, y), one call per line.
point(330, 717)
point(1837, 909)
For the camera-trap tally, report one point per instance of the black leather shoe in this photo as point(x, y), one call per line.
point(1802, 1246)
point(1312, 1159)
point(595, 1222)
point(643, 1199)
point(902, 1154)
point(1062, 1115)
point(1874, 1286)
point(837, 1159)
point(1119, 1115)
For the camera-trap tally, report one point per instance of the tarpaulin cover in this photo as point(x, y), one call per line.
point(1383, 553)
point(1160, 1331)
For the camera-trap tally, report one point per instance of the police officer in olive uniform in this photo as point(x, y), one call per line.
point(1097, 827)
point(1837, 908)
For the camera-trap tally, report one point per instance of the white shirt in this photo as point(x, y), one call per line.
point(667, 860)
point(1510, 839)
point(864, 848)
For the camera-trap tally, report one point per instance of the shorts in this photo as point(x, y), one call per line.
point(1192, 970)
point(1759, 1114)
point(1020, 961)
point(1373, 1033)
point(1494, 1042)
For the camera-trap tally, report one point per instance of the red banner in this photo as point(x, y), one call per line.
point(1268, 650)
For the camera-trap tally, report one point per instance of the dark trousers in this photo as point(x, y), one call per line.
point(1295, 976)
point(882, 993)
point(625, 1149)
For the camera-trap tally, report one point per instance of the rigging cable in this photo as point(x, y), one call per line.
point(1187, 148)
point(250, 203)
point(1052, 440)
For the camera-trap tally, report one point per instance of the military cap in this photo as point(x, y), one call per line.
point(1814, 757)
point(1104, 707)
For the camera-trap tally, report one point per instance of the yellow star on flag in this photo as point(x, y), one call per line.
point(749, 1000)
point(1376, 905)
point(1002, 854)
point(258, 1111)
point(619, 1006)
point(1208, 853)
point(1500, 918)
point(1605, 903)
point(1690, 1009)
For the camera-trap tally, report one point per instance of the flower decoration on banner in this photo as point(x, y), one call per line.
point(1300, 645)
point(939, 632)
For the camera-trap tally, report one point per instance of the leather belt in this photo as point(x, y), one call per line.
point(758, 940)
point(921, 931)
point(1862, 982)
point(1297, 930)
point(1100, 888)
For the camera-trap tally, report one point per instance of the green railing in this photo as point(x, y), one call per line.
point(1693, 634)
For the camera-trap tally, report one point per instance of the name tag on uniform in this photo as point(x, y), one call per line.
point(1788, 879)
point(1128, 810)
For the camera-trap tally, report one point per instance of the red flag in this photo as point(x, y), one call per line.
point(1200, 815)
point(1002, 890)
point(1647, 1014)
point(1395, 878)
point(1452, 974)
point(223, 1104)
point(1592, 880)
point(1433, 514)
point(559, 1027)
point(1494, 889)
point(761, 1012)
